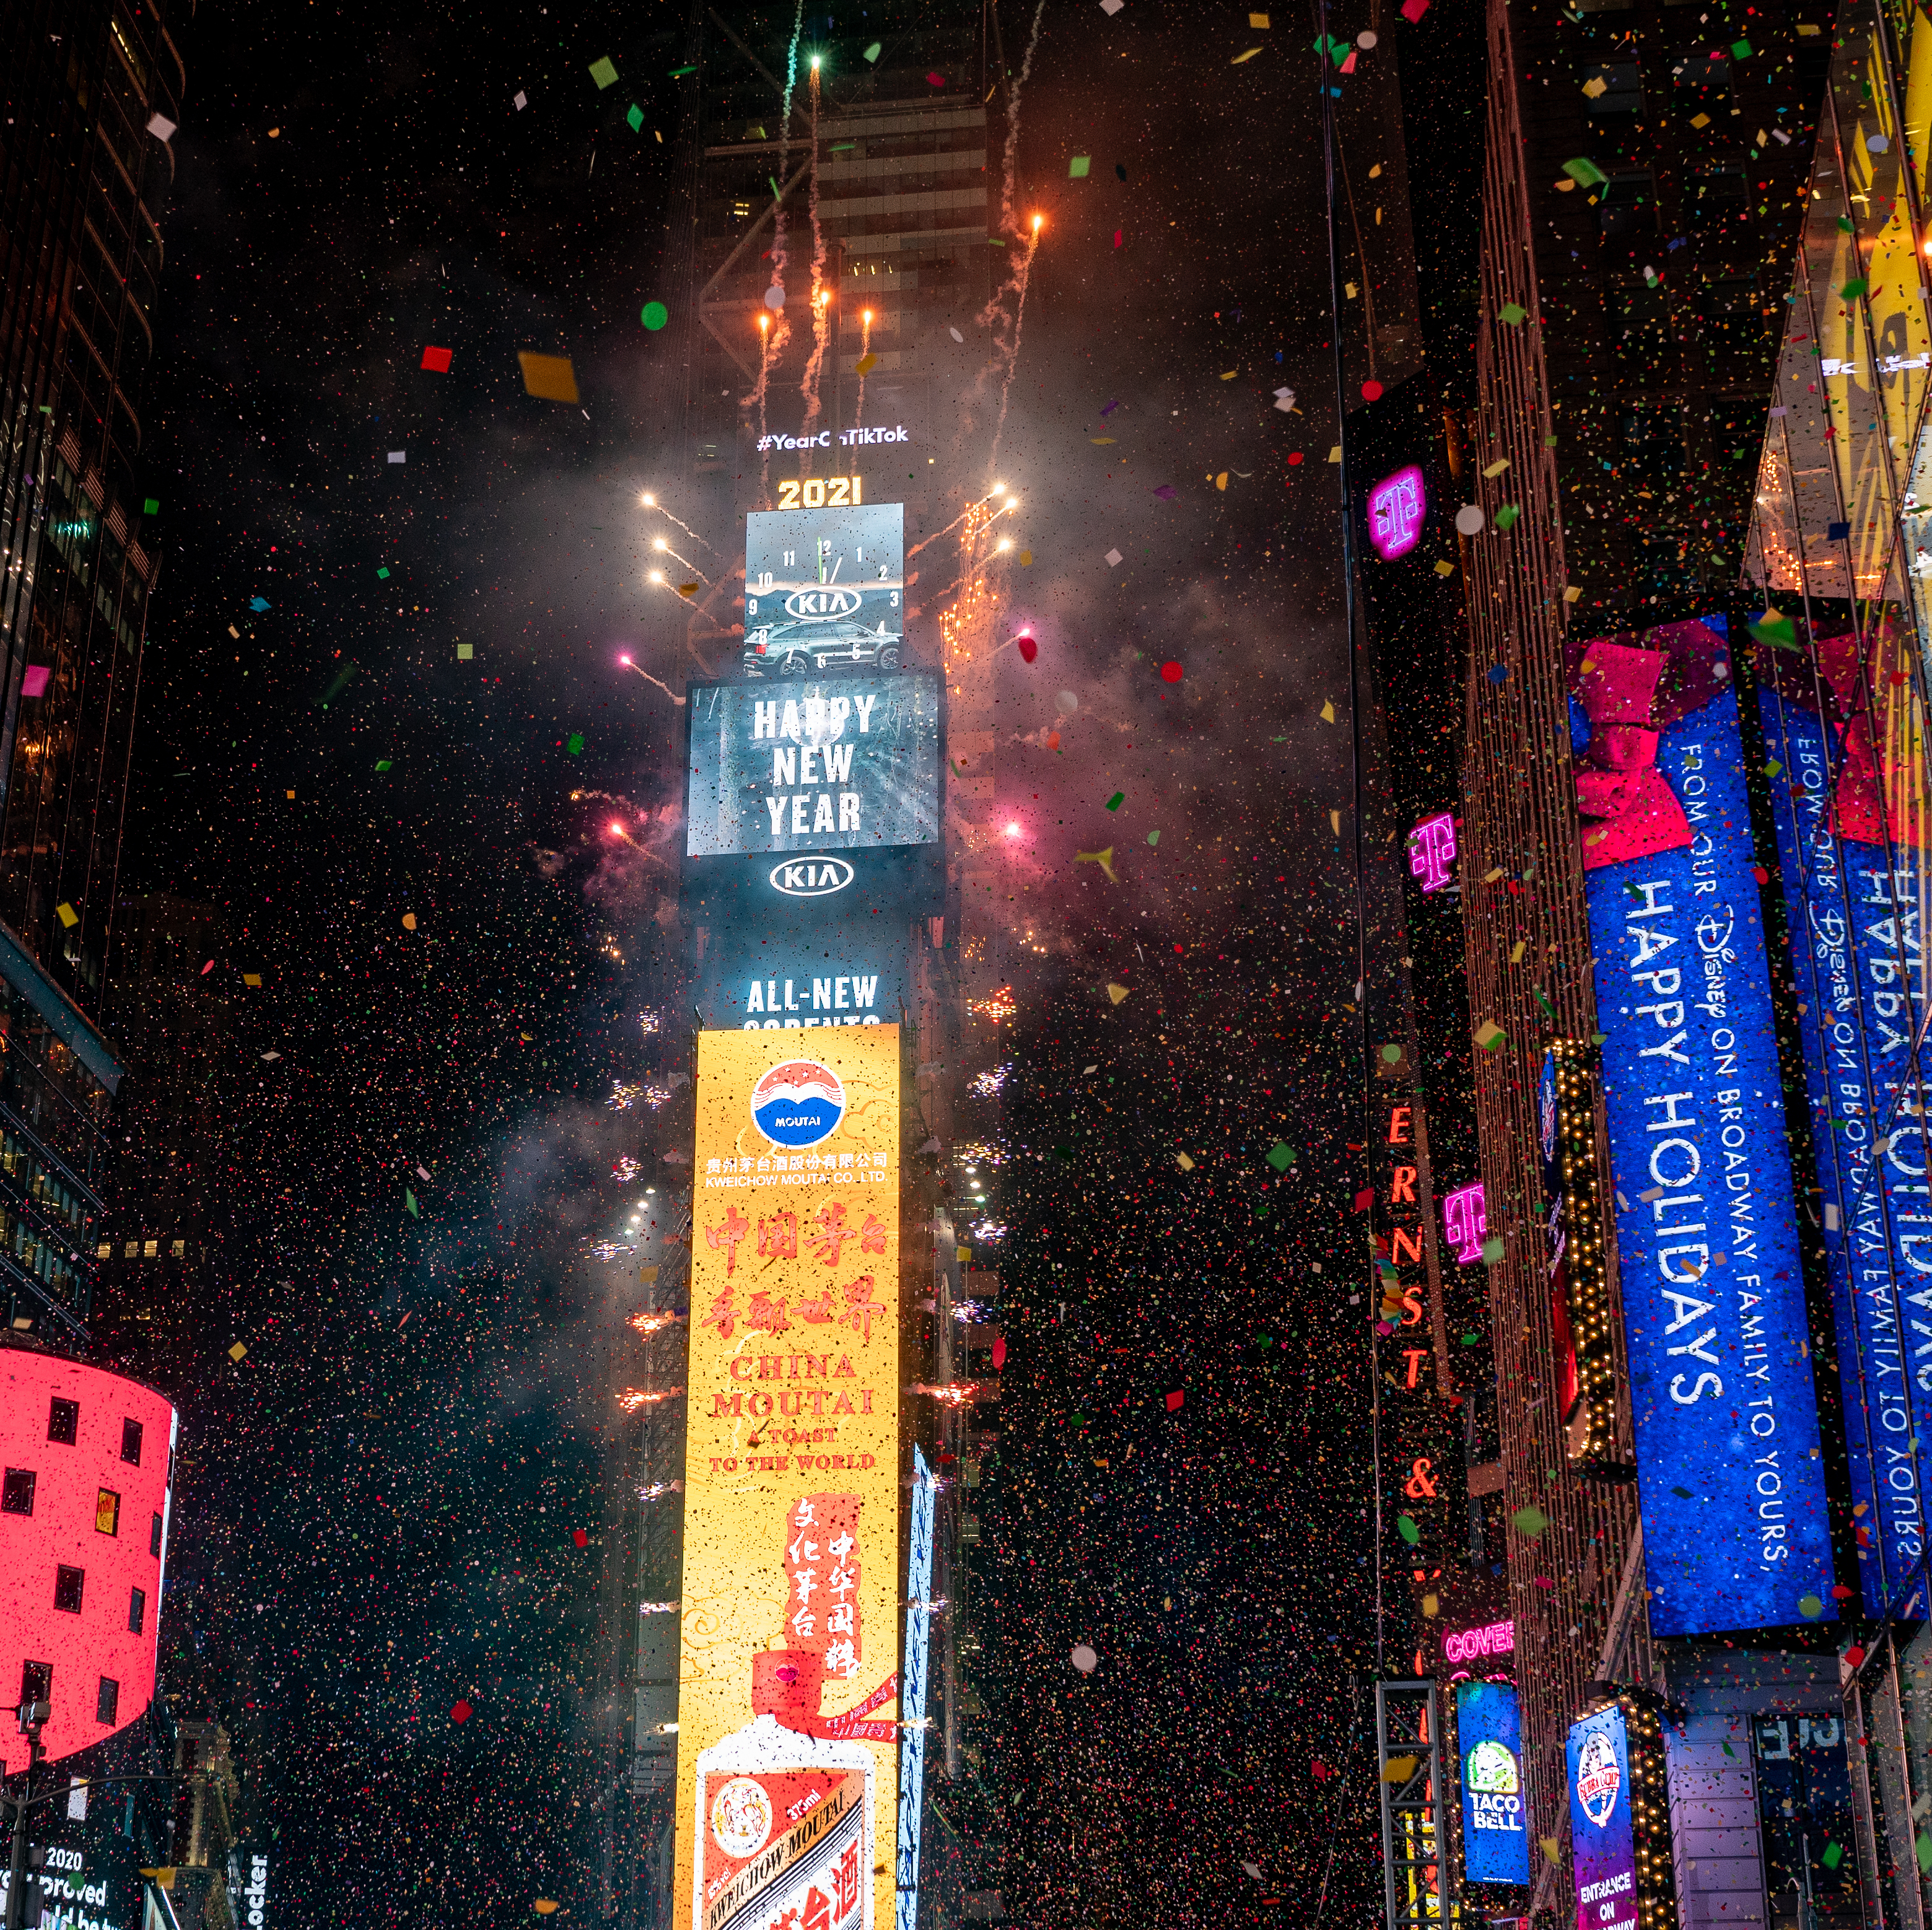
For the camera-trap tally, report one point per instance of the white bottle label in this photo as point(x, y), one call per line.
point(784, 1847)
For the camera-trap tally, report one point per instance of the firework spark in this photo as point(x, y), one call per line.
point(632, 1398)
point(654, 1322)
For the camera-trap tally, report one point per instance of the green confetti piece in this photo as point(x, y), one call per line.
point(1731, 1752)
point(410, 1204)
point(1405, 1526)
point(1923, 1849)
point(1597, 1037)
point(635, 115)
point(1493, 1250)
point(1281, 1156)
point(1506, 517)
point(1683, 1494)
point(1585, 173)
point(654, 316)
point(676, 73)
point(1740, 50)
point(1810, 1607)
point(1531, 1520)
point(1771, 769)
point(1154, 837)
point(1391, 1055)
point(604, 73)
point(1472, 1340)
point(873, 52)
point(382, 571)
point(573, 744)
point(1834, 1854)
point(152, 507)
point(385, 764)
point(1114, 802)
point(1512, 314)
point(1776, 629)
point(1853, 288)
point(1266, 1340)
point(1079, 166)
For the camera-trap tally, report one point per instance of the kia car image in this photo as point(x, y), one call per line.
point(797, 649)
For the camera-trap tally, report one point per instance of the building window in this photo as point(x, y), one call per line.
point(107, 1512)
point(179, 1249)
point(1621, 92)
point(64, 1421)
point(105, 1250)
point(137, 1609)
point(17, 1498)
point(67, 1583)
point(134, 1248)
point(150, 1249)
point(154, 1537)
point(1721, 192)
point(106, 1699)
point(37, 1682)
point(130, 1442)
point(1628, 203)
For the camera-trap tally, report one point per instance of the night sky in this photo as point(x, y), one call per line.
point(378, 1504)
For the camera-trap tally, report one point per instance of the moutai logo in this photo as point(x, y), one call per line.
point(798, 1103)
point(822, 603)
point(811, 877)
point(1598, 1778)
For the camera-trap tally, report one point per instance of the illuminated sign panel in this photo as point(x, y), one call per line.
point(1397, 509)
point(1732, 1488)
point(1489, 1739)
point(1602, 1837)
point(82, 1531)
point(1464, 1223)
point(825, 583)
point(1432, 851)
point(810, 767)
point(918, 1643)
point(1853, 914)
point(1465, 1645)
point(788, 1684)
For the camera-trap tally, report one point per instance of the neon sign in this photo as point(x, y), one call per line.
point(1396, 507)
point(1464, 1221)
point(1432, 851)
point(1462, 1645)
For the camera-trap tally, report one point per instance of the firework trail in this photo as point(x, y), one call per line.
point(864, 349)
point(1005, 320)
point(821, 304)
point(777, 332)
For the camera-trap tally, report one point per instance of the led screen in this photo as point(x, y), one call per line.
point(1489, 1740)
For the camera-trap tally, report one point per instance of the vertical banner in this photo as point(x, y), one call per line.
point(1496, 1827)
point(1853, 906)
point(788, 1682)
point(1603, 1834)
point(1730, 1472)
point(912, 1699)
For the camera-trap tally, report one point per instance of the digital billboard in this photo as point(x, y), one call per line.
point(1852, 908)
point(788, 1679)
point(813, 765)
point(1730, 1478)
point(918, 1645)
point(1603, 1835)
point(824, 584)
point(1489, 1740)
point(88, 1457)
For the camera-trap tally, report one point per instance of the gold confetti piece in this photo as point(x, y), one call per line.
point(1335, 453)
point(1565, 186)
point(1105, 859)
point(1229, 375)
point(236, 1353)
point(1549, 1848)
point(1516, 952)
point(866, 363)
point(1488, 1035)
point(1375, 172)
point(1117, 993)
point(1592, 88)
point(1572, 594)
point(547, 1907)
point(1259, 22)
point(1496, 468)
point(1101, 442)
point(1399, 1769)
point(1221, 480)
point(1186, 1165)
point(1490, 876)
point(68, 915)
point(687, 590)
point(408, 920)
point(1240, 57)
point(1335, 822)
point(254, 978)
point(233, 632)
point(549, 378)
point(1432, 1607)
point(1700, 120)
point(1026, 558)
point(1327, 713)
point(1444, 569)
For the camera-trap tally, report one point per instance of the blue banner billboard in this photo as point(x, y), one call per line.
point(1603, 1834)
point(1730, 1474)
point(1852, 875)
point(1489, 1740)
point(913, 1688)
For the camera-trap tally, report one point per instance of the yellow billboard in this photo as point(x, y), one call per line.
point(788, 1689)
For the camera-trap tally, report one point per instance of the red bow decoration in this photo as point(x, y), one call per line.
point(1619, 784)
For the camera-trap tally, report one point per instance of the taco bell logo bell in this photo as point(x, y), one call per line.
point(798, 1103)
point(1598, 1778)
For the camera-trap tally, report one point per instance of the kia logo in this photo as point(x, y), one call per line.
point(811, 877)
point(823, 604)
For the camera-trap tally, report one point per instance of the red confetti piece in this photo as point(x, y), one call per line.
point(1412, 11)
point(1294, 458)
point(1026, 647)
point(1760, 874)
point(999, 1353)
point(437, 359)
point(1365, 1199)
point(1372, 391)
point(1173, 1401)
point(1170, 671)
point(578, 1536)
point(1855, 1654)
point(461, 1711)
point(1117, 233)
point(936, 79)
